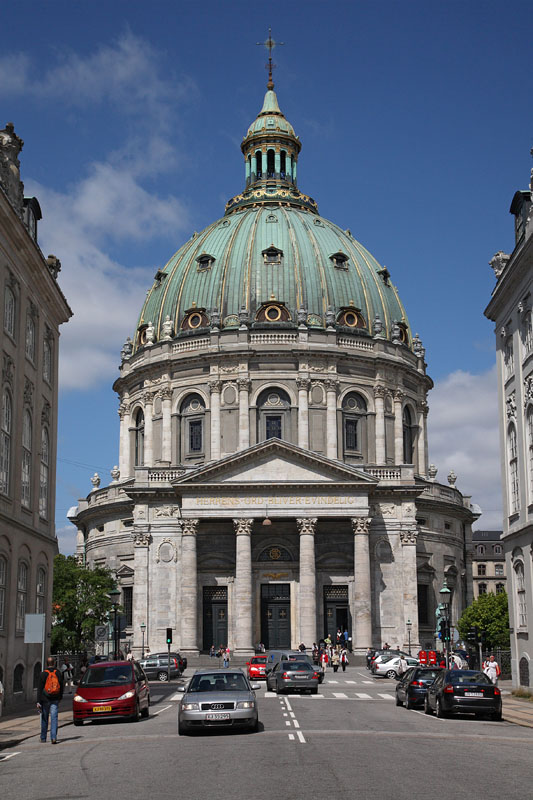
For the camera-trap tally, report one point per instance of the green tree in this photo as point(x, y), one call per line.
point(489, 614)
point(79, 601)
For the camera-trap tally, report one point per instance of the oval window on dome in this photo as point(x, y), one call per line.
point(273, 313)
point(195, 318)
point(352, 318)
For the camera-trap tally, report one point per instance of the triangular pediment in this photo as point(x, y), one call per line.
point(125, 572)
point(276, 463)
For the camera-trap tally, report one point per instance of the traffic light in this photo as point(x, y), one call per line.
point(442, 630)
point(472, 635)
point(446, 632)
point(169, 635)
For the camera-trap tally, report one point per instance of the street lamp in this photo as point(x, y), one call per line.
point(409, 625)
point(143, 629)
point(114, 596)
point(445, 595)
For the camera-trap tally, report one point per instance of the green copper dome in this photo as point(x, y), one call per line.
point(272, 250)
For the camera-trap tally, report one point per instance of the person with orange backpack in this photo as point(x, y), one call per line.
point(49, 693)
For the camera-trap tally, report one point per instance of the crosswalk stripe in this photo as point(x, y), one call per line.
point(370, 682)
point(354, 682)
point(176, 696)
point(385, 696)
point(340, 694)
point(363, 696)
point(332, 681)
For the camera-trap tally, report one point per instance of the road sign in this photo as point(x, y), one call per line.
point(100, 633)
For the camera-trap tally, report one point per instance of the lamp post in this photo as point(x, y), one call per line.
point(143, 629)
point(445, 595)
point(409, 625)
point(114, 595)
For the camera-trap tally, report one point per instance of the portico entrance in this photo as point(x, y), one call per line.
point(215, 616)
point(276, 615)
point(336, 611)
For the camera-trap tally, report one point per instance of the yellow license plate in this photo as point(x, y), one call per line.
point(102, 708)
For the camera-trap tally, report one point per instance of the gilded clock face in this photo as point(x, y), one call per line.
point(274, 553)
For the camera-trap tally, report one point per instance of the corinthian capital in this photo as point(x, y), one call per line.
point(398, 395)
point(306, 524)
point(408, 536)
point(148, 398)
point(361, 525)
point(243, 526)
point(141, 539)
point(190, 527)
point(243, 384)
point(379, 390)
point(215, 386)
point(165, 393)
point(303, 383)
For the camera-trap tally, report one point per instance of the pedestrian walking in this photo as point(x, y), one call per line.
point(368, 657)
point(335, 661)
point(402, 666)
point(492, 670)
point(345, 638)
point(212, 651)
point(344, 659)
point(68, 674)
point(226, 658)
point(49, 694)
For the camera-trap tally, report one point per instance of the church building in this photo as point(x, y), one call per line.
point(273, 481)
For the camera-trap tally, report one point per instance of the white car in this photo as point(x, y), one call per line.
point(391, 668)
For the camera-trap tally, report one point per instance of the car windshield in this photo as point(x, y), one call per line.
point(258, 661)
point(107, 676)
point(296, 666)
point(217, 682)
point(458, 676)
point(425, 674)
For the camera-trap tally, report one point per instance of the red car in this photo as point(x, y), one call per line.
point(112, 689)
point(256, 668)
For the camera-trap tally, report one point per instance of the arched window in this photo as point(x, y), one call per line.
point(527, 333)
point(30, 337)
point(40, 591)
point(22, 594)
point(408, 436)
point(508, 357)
point(480, 549)
point(43, 474)
point(520, 587)
point(500, 588)
point(283, 164)
point(3, 591)
point(139, 438)
point(18, 678)
point(47, 359)
point(354, 416)
point(271, 164)
point(497, 549)
point(26, 459)
point(529, 421)
point(5, 441)
point(514, 493)
point(482, 587)
point(259, 164)
point(10, 307)
point(273, 420)
point(192, 412)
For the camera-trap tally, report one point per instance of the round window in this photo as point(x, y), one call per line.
point(195, 320)
point(350, 319)
point(351, 402)
point(194, 405)
point(273, 399)
point(273, 313)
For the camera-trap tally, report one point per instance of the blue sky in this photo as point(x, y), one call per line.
point(416, 126)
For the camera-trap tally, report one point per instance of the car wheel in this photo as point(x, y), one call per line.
point(321, 679)
point(269, 687)
point(391, 674)
point(162, 676)
point(439, 709)
point(427, 707)
point(315, 690)
point(278, 690)
point(182, 730)
point(146, 711)
point(409, 704)
point(78, 722)
point(497, 716)
point(254, 727)
point(398, 701)
point(137, 713)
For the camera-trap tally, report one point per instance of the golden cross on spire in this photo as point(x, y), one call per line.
point(270, 44)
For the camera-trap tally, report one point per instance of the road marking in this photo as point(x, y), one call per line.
point(288, 722)
point(370, 682)
point(362, 674)
point(340, 694)
point(296, 723)
point(353, 682)
point(285, 714)
point(289, 707)
point(301, 737)
point(5, 756)
point(332, 681)
point(363, 696)
point(176, 696)
point(385, 696)
point(155, 713)
point(291, 736)
point(292, 714)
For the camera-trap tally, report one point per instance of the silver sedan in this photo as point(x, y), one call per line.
point(218, 698)
point(298, 676)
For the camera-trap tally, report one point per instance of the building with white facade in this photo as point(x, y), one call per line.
point(510, 309)
point(273, 481)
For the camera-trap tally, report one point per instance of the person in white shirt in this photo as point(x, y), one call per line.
point(492, 670)
point(68, 674)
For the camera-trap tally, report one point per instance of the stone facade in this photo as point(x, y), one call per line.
point(489, 573)
point(33, 308)
point(511, 310)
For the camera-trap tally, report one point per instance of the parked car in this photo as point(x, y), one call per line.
point(111, 689)
point(256, 668)
point(300, 676)
point(379, 655)
point(463, 691)
point(156, 667)
point(412, 687)
point(391, 667)
point(182, 660)
point(218, 698)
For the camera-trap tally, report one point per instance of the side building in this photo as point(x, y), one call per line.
point(33, 308)
point(488, 563)
point(511, 310)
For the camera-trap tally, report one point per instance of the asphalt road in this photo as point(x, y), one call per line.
point(350, 740)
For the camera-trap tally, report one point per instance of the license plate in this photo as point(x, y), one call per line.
point(217, 716)
point(300, 677)
point(102, 708)
point(473, 694)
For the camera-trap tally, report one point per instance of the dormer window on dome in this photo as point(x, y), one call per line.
point(273, 312)
point(204, 262)
point(194, 318)
point(351, 317)
point(340, 260)
point(272, 255)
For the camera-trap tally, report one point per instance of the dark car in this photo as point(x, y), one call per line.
point(182, 660)
point(463, 691)
point(111, 689)
point(412, 687)
point(300, 676)
point(156, 666)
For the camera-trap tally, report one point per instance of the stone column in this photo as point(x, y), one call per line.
point(398, 427)
point(141, 586)
point(362, 609)
point(214, 388)
point(124, 453)
point(422, 409)
point(306, 529)
point(331, 419)
point(303, 412)
point(148, 398)
point(166, 440)
point(379, 401)
point(189, 587)
point(243, 587)
point(244, 414)
point(408, 538)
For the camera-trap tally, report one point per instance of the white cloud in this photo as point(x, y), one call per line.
point(66, 538)
point(464, 436)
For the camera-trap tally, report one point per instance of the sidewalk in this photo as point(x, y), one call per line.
point(24, 722)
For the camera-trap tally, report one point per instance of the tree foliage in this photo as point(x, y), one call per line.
point(489, 613)
point(79, 601)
